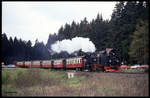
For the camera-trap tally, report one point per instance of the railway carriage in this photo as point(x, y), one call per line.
point(19, 64)
point(77, 62)
point(27, 64)
point(58, 63)
point(46, 64)
point(36, 64)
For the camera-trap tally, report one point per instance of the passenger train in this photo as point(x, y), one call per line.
point(107, 60)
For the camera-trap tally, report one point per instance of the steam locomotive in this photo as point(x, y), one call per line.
point(107, 60)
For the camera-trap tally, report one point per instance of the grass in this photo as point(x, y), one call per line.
point(45, 82)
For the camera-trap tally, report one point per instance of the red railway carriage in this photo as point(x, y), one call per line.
point(36, 64)
point(77, 62)
point(46, 64)
point(27, 64)
point(58, 63)
point(19, 64)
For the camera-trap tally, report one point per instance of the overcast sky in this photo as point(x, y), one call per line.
point(32, 20)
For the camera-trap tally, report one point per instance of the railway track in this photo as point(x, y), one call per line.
point(106, 72)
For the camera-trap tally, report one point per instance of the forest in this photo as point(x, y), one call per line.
point(127, 31)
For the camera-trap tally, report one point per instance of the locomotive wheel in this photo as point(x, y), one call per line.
point(90, 69)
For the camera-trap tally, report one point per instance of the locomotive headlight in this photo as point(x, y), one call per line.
point(109, 60)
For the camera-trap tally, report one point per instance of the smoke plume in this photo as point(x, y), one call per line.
point(75, 44)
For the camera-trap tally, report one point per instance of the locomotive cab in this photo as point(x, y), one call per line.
point(87, 64)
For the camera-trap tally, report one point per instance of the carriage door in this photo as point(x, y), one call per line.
point(52, 62)
point(41, 64)
point(64, 61)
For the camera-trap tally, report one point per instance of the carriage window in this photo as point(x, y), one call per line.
point(60, 62)
point(70, 61)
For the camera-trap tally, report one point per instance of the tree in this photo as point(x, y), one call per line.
point(67, 31)
point(5, 48)
point(123, 23)
point(52, 39)
point(11, 46)
point(83, 28)
point(40, 51)
point(117, 13)
point(28, 50)
point(139, 48)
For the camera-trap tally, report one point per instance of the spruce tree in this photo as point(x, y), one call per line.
point(139, 48)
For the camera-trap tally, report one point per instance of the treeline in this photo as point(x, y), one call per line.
point(127, 31)
point(18, 50)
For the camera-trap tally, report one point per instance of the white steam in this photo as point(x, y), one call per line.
point(73, 45)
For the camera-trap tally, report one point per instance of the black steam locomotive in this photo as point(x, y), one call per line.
point(107, 60)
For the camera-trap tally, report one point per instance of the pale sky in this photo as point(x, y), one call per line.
point(32, 20)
